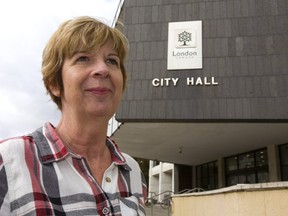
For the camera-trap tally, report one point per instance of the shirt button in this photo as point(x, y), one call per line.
point(108, 179)
point(105, 210)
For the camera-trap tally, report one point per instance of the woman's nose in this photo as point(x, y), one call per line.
point(101, 70)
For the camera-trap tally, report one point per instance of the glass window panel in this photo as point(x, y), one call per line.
point(198, 183)
point(211, 183)
point(285, 173)
point(205, 183)
point(232, 180)
point(250, 178)
point(252, 168)
point(246, 161)
point(262, 176)
point(261, 158)
point(284, 154)
point(211, 169)
point(216, 168)
point(206, 175)
point(247, 178)
point(205, 171)
point(242, 179)
point(231, 163)
point(198, 172)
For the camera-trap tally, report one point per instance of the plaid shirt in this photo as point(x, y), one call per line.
point(39, 176)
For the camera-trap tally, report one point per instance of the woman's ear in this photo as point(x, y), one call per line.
point(55, 90)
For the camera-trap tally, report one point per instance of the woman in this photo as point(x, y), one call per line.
point(74, 169)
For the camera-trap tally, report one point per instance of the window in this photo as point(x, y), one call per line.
point(283, 150)
point(232, 163)
point(246, 161)
point(207, 176)
point(249, 167)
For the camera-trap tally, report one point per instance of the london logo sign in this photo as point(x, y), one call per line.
point(184, 45)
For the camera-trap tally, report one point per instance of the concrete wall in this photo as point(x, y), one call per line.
point(244, 48)
point(241, 200)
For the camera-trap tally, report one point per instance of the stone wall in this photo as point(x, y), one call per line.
point(269, 199)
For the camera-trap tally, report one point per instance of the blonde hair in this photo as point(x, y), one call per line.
point(83, 34)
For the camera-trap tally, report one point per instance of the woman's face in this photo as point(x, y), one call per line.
point(93, 83)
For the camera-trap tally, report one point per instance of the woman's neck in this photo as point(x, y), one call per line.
point(84, 138)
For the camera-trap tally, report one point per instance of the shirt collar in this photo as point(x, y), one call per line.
point(116, 154)
point(52, 149)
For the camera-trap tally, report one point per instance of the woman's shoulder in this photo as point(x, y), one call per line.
point(15, 140)
point(131, 161)
point(11, 141)
point(12, 146)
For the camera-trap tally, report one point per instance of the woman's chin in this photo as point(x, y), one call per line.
point(101, 113)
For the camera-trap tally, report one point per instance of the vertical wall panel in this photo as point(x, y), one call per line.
point(244, 48)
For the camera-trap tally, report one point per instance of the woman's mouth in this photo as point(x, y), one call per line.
point(99, 90)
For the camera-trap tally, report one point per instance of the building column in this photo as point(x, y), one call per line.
point(273, 163)
point(176, 178)
point(194, 180)
point(221, 173)
point(154, 182)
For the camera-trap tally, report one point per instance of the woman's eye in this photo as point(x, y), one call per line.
point(112, 61)
point(83, 59)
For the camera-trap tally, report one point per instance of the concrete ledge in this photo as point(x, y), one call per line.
point(264, 199)
point(239, 187)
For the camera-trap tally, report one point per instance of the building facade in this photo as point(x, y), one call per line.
point(207, 89)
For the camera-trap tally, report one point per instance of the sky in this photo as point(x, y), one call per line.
point(26, 26)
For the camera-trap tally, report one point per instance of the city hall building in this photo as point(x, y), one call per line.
point(207, 90)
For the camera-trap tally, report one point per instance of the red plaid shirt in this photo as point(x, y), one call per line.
point(39, 176)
